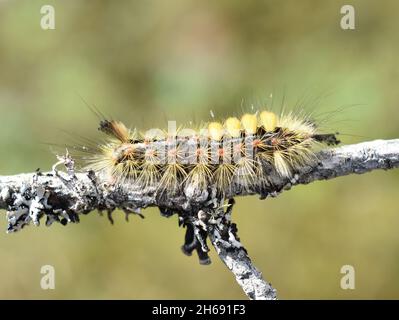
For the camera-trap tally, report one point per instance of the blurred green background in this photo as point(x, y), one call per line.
point(147, 62)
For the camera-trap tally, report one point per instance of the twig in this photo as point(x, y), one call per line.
point(61, 197)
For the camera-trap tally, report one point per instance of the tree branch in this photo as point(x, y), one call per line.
point(63, 196)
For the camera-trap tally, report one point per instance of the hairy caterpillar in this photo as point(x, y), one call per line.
point(215, 154)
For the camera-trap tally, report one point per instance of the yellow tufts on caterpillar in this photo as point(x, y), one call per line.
point(268, 120)
point(215, 130)
point(249, 123)
point(233, 127)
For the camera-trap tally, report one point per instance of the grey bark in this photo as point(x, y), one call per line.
point(62, 196)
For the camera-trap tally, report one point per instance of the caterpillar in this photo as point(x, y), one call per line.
point(212, 155)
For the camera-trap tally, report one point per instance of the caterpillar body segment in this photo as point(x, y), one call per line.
point(215, 155)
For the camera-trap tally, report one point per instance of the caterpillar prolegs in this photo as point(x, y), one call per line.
point(214, 155)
